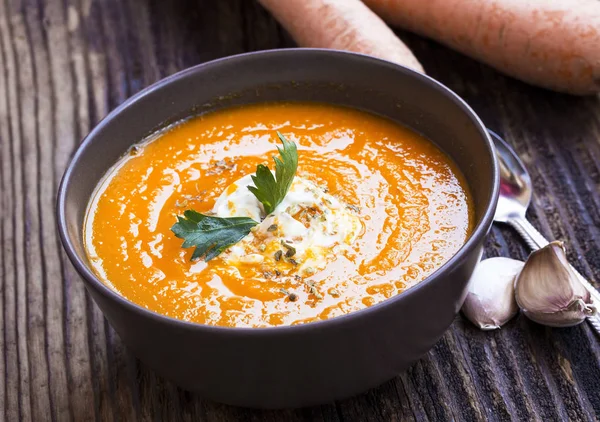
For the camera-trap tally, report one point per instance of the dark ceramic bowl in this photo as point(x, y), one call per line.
point(317, 362)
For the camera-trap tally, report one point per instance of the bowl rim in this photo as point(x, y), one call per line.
point(479, 232)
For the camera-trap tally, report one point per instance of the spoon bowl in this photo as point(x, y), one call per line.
point(515, 184)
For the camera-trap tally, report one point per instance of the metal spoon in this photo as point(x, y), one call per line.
point(515, 195)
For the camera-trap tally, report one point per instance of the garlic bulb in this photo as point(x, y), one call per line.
point(549, 292)
point(490, 301)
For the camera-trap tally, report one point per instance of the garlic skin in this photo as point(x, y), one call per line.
point(549, 292)
point(490, 301)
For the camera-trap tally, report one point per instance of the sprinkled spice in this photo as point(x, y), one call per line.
point(220, 166)
point(353, 208)
point(198, 196)
point(291, 251)
point(291, 296)
point(278, 255)
point(277, 273)
point(313, 290)
point(134, 150)
point(272, 228)
point(293, 261)
point(200, 192)
point(268, 274)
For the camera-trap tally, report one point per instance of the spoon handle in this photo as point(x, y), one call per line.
point(535, 240)
point(595, 322)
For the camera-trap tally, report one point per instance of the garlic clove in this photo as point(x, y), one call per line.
point(490, 301)
point(548, 291)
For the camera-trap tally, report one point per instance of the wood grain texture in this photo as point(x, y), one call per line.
point(65, 63)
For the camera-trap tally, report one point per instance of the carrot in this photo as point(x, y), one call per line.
point(551, 43)
point(340, 25)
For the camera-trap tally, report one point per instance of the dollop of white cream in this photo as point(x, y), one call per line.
point(238, 201)
point(316, 224)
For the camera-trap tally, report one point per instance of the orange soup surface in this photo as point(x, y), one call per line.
point(373, 210)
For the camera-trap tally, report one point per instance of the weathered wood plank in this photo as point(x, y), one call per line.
point(65, 63)
point(18, 390)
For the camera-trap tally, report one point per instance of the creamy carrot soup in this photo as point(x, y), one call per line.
point(373, 209)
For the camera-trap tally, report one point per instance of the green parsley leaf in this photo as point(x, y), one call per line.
point(270, 190)
point(210, 235)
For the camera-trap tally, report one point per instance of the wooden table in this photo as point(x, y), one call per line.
point(64, 64)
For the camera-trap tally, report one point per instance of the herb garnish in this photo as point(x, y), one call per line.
point(270, 190)
point(210, 235)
